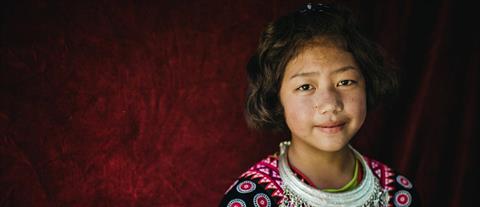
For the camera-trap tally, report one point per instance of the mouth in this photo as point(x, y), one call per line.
point(331, 127)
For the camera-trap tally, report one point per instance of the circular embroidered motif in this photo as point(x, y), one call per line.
point(261, 200)
point(402, 199)
point(403, 181)
point(237, 203)
point(246, 187)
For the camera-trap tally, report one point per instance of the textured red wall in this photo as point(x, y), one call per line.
point(129, 103)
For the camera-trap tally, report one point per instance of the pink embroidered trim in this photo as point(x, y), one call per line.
point(267, 172)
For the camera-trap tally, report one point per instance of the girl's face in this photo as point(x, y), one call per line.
point(323, 97)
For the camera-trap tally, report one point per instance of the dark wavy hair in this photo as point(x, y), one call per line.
point(286, 37)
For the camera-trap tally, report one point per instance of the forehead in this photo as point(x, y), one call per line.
point(325, 57)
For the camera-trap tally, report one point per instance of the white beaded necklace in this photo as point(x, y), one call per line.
point(298, 194)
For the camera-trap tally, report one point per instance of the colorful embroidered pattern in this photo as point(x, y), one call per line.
point(236, 203)
point(261, 200)
point(403, 181)
point(261, 185)
point(383, 173)
point(246, 187)
point(266, 171)
point(402, 198)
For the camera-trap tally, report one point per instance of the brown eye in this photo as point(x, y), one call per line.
point(345, 82)
point(305, 87)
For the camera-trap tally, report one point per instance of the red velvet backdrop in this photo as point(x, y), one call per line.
point(129, 103)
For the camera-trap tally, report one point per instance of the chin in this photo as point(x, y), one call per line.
point(332, 147)
point(331, 144)
point(323, 142)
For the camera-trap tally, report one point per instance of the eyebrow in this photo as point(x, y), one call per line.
point(340, 70)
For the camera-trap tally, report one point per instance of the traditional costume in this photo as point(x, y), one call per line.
point(273, 182)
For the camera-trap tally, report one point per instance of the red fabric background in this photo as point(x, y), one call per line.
point(129, 103)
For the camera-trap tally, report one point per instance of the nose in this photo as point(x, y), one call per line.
point(328, 101)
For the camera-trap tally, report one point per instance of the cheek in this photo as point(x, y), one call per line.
point(357, 105)
point(297, 111)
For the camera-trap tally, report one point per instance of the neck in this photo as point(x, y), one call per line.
point(326, 169)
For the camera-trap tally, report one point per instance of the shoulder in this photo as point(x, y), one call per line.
point(401, 190)
point(260, 185)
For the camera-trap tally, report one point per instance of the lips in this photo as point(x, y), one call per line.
point(330, 127)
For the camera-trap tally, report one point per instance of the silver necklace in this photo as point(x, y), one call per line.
point(298, 194)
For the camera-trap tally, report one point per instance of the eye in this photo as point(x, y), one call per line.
point(345, 82)
point(305, 87)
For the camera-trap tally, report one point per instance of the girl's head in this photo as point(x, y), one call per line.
point(308, 36)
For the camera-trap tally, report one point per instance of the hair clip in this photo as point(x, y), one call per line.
point(319, 7)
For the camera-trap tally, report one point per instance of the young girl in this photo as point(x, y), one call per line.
point(314, 75)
